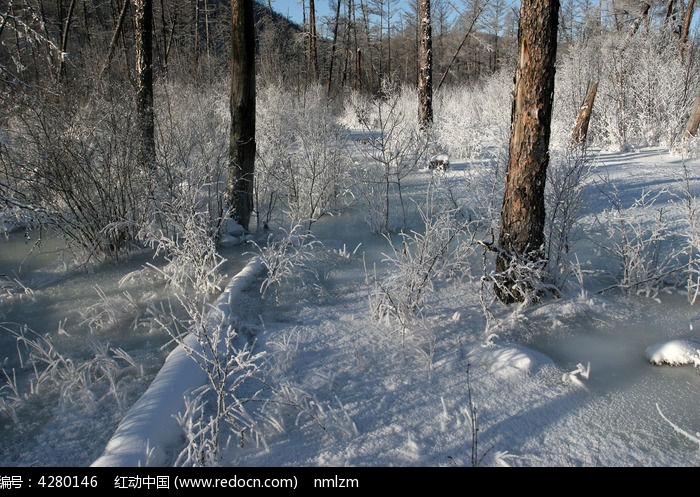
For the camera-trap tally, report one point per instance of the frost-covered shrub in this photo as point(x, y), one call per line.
point(392, 147)
point(192, 258)
point(82, 382)
point(287, 256)
point(303, 158)
point(274, 130)
point(193, 127)
point(416, 261)
point(646, 250)
point(469, 120)
point(215, 414)
point(74, 165)
point(566, 177)
point(644, 95)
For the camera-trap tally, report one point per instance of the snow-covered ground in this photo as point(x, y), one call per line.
point(564, 382)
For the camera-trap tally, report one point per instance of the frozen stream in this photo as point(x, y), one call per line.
point(80, 311)
point(620, 396)
point(623, 387)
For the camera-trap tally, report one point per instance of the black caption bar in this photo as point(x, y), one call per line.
point(302, 480)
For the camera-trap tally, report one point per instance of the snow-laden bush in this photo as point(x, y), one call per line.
point(646, 250)
point(78, 382)
point(392, 147)
point(287, 256)
point(470, 119)
point(645, 90)
point(303, 163)
point(418, 259)
point(75, 167)
point(566, 177)
point(192, 140)
point(215, 414)
point(192, 259)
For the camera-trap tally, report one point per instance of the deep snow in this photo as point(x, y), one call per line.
point(563, 382)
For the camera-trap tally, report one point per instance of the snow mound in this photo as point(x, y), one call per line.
point(149, 433)
point(675, 352)
point(231, 233)
point(510, 361)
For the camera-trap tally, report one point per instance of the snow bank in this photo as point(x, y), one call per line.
point(510, 361)
point(149, 434)
point(675, 352)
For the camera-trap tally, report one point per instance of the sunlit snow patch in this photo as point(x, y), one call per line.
point(513, 360)
point(675, 352)
point(231, 233)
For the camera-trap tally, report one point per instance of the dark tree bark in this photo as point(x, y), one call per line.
point(143, 44)
point(64, 37)
point(313, 51)
point(241, 169)
point(333, 48)
point(425, 66)
point(522, 215)
point(685, 30)
point(459, 47)
point(115, 37)
point(583, 119)
point(643, 16)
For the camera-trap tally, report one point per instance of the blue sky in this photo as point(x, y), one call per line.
point(324, 8)
point(292, 8)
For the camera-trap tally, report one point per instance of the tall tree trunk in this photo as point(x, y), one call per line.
point(425, 66)
point(64, 38)
point(195, 31)
point(86, 23)
point(643, 16)
point(580, 131)
point(164, 38)
point(521, 235)
point(206, 31)
point(115, 37)
point(686, 27)
point(143, 27)
point(312, 41)
point(241, 171)
point(459, 47)
point(333, 47)
point(346, 45)
point(691, 128)
point(669, 12)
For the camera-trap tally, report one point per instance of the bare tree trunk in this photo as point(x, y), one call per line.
point(143, 27)
point(356, 46)
point(669, 11)
point(115, 37)
point(346, 45)
point(580, 131)
point(691, 128)
point(425, 66)
point(164, 37)
point(461, 44)
point(686, 27)
point(333, 47)
point(86, 23)
point(521, 236)
point(241, 172)
point(643, 16)
point(206, 31)
point(195, 31)
point(64, 37)
point(312, 41)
